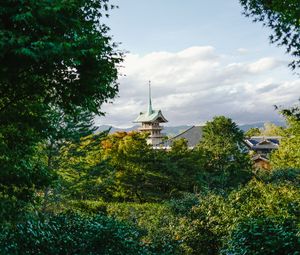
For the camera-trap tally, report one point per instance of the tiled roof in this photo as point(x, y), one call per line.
point(150, 117)
point(260, 157)
point(263, 142)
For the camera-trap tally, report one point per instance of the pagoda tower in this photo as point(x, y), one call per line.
point(151, 120)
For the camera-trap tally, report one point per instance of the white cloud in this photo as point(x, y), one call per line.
point(263, 65)
point(197, 83)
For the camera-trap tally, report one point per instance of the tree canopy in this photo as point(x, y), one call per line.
point(288, 153)
point(57, 66)
point(225, 156)
point(56, 52)
point(269, 129)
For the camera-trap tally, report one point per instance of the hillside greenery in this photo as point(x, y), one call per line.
point(114, 194)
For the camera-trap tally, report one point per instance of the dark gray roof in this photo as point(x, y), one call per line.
point(263, 142)
point(193, 135)
point(261, 157)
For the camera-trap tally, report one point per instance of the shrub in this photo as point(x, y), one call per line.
point(265, 236)
point(209, 225)
point(258, 199)
point(87, 206)
point(183, 206)
point(203, 229)
point(72, 234)
point(155, 219)
point(289, 176)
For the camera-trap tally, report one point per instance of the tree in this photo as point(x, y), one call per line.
point(283, 18)
point(140, 172)
point(288, 153)
point(123, 167)
point(225, 161)
point(73, 234)
point(270, 129)
point(56, 62)
point(254, 131)
point(83, 173)
point(57, 52)
point(186, 164)
point(218, 220)
point(276, 236)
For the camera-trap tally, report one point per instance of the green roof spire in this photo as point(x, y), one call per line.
point(150, 115)
point(150, 110)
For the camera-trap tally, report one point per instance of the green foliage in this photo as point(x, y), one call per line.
point(182, 206)
point(153, 219)
point(207, 223)
point(204, 227)
point(288, 176)
point(207, 228)
point(265, 235)
point(270, 129)
point(266, 200)
point(292, 112)
point(72, 234)
point(85, 207)
point(83, 172)
point(135, 166)
point(129, 169)
point(157, 221)
point(187, 172)
point(56, 52)
point(225, 160)
point(252, 132)
point(288, 153)
point(122, 167)
point(23, 172)
point(57, 66)
point(147, 213)
point(283, 19)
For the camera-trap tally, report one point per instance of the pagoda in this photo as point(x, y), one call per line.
point(151, 120)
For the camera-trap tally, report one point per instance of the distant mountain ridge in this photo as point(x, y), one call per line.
point(175, 130)
point(245, 127)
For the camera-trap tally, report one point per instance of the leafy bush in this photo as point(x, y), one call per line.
point(265, 236)
point(72, 234)
point(157, 220)
point(208, 227)
point(289, 176)
point(152, 219)
point(258, 199)
point(182, 206)
point(87, 206)
point(203, 229)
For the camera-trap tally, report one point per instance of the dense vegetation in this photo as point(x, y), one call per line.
point(114, 194)
point(66, 190)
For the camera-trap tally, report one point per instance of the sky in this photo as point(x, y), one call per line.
point(203, 57)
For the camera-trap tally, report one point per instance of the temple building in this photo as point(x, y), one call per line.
point(260, 148)
point(150, 121)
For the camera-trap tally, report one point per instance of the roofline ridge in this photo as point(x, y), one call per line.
point(182, 132)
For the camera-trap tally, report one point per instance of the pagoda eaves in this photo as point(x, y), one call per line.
point(155, 116)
